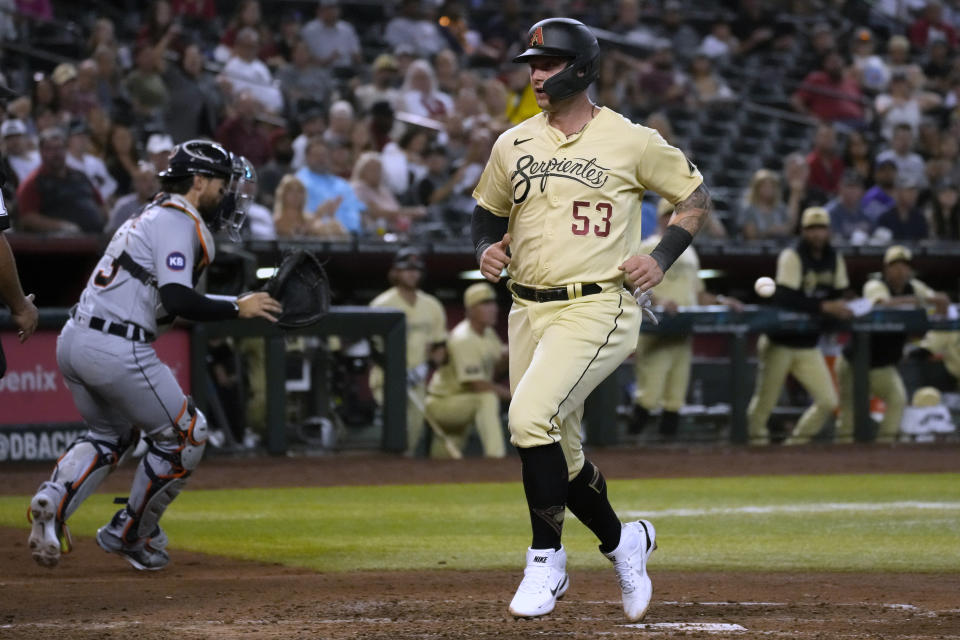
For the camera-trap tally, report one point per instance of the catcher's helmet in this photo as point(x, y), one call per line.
point(199, 158)
point(565, 38)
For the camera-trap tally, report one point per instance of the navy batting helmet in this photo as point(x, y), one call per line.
point(565, 38)
point(199, 158)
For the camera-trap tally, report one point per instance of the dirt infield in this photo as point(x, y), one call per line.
point(201, 596)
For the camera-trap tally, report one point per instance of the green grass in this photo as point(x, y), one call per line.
point(486, 526)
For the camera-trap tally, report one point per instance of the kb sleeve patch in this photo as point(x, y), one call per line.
point(176, 261)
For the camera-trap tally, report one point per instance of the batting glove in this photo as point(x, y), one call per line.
point(645, 300)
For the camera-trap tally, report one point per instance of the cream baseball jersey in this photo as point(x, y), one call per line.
point(170, 241)
point(473, 357)
point(426, 322)
point(574, 202)
point(681, 282)
point(877, 290)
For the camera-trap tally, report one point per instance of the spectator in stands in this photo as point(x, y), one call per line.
point(18, 152)
point(905, 220)
point(706, 85)
point(909, 164)
point(242, 134)
point(660, 84)
point(438, 172)
point(56, 198)
point(938, 67)
point(753, 27)
point(383, 211)
point(145, 186)
point(109, 80)
point(448, 73)
point(248, 16)
point(382, 87)
point(764, 215)
point(827, 94)
point(195, 101)
point(245, 72)
point(160, 31)
point(83, 96)
point(80, 158)
point(121, 156)
point(826, 165)
point(158, 149)
point(333, 42)
point(674, 29)
point(720, 44)
point(270, 174)
point(944, 211)
point(302, 80)
point(903, 104)
point(930, 26)
point(44, 96)
point(145, 86)
point(340, 125)
point(866, 65)
point(104, 35)
point(420, 95)
point(521, 101)
point(899, 61)
point(312, 123)
point(857, 155)
point(411, 27)
point(879, 198)
point(341, 159)
point(64, 77)
point(458, 189)
point(847, 220)
point(403, 160)
point(822, 42)
point(291, 219)
point(327, 192)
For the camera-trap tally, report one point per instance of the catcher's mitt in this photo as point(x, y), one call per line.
point(302, 287)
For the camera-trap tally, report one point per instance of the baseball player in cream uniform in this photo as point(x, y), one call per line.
point(144, 280)
point(895, 288)
point(558, 205)
point(811, 277)
point(426, 336)
point(462, 392)
point(662, 362)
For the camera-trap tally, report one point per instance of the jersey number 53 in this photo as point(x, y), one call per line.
point(581, 225)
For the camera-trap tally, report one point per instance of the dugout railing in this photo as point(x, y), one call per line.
point(600, 413)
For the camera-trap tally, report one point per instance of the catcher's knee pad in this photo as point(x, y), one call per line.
point(82, 468)
point(171, 457)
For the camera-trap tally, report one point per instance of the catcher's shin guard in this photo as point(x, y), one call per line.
point(83, 467)
point(171, 457)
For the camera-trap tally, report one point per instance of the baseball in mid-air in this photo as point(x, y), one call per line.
point(765, 286)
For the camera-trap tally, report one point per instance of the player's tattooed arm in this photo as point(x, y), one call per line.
point(691, 214)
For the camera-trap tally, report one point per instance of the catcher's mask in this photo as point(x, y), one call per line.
point(564, 38)
point(237, 198)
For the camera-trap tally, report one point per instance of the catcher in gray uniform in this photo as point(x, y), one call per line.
point(145, 279)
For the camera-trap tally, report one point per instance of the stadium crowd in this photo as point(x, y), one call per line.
point(376, 119)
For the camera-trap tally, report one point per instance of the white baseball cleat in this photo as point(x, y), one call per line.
point(637, 541)
point(544, 582)
point(48, 538)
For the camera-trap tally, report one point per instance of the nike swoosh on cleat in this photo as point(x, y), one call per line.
point(517, 141)
point(553, 591)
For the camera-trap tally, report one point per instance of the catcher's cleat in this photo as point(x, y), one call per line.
point(146, 554)
point(637, 541)
point(544, 582)
point(49, 538)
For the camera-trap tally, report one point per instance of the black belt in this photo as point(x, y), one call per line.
point(120, 329)
point(551, 294)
